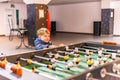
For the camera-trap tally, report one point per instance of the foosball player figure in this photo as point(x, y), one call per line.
point(3, 62)
point(113, 56)
point(54, 58)
point(76, 59)
point(87, 56)
point(99, 59)
point(90, 62)
point(67, 49)
point(29, 61)
point(34, 70)
point(96, 64)
point(118, 51)
point(70, 64)
point(66, 57)
point(50, 66)
point(88, 52)
point(17, 69)
point(76, 50)
point(100, 52)
point(104, 61)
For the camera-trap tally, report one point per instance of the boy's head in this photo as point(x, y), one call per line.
point(43, 34)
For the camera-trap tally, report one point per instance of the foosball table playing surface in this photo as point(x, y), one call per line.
point(82, 61)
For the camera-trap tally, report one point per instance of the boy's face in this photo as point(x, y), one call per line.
point(45, 37)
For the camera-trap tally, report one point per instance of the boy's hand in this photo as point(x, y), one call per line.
point(61, 44)
point(52, 46)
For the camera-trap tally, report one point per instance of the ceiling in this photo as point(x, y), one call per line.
point(56, 2)
point(13, 1)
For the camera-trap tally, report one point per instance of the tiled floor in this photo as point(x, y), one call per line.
point(9, 47)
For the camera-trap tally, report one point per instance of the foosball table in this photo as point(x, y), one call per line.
point(81, 61)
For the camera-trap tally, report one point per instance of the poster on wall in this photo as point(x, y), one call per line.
point(41, 13)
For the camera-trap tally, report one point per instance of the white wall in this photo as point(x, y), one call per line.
point(4, 28)
point(116, 6)
point(2, 25)
point(105, 4)
point(76, 17)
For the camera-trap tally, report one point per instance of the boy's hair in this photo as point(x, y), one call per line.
point(42, 31)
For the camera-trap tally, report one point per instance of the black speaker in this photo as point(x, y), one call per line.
point(97, 28)
point(53, 27)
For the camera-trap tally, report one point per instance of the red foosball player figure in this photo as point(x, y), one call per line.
point(3, 63)
point(17, 69)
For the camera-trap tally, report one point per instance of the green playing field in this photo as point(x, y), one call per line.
point(61, 71)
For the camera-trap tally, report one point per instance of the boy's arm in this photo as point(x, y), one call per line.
point(40, 46)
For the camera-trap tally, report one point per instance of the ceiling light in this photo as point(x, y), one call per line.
point(37, 1)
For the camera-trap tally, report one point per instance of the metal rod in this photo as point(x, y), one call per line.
point(114, 75)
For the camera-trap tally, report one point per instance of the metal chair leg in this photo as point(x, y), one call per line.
point(11, 36)
point(22, 41)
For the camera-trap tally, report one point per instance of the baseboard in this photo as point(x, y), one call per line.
point(74, 32)
point(117, 35)
point(2, 35)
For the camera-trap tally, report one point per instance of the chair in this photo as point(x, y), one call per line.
point(20, 33)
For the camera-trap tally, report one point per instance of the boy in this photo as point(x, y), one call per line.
point(43, 40)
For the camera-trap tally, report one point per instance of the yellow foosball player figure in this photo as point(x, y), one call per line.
point(34, 70)
point(17, 69)
point(90, 62)
point(76, 59)
point(3, 63)
point(29, 61)
point(50, 66)
point(66, 57)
